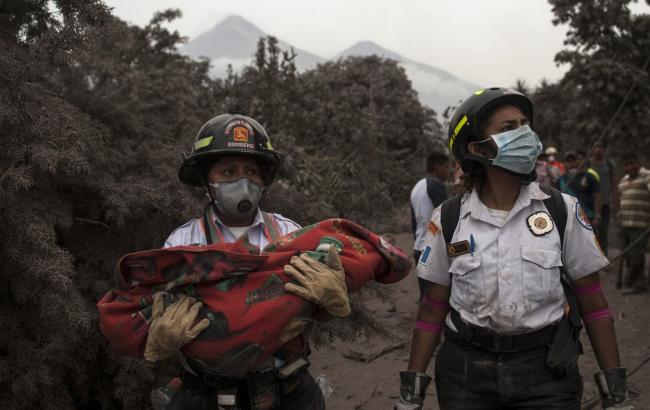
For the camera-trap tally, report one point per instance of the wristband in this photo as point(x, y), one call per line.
point(589, 290)
point(436, 304)
point(595, 315)
point(428, 326)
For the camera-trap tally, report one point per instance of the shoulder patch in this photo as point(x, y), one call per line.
point(582, 218)
point(540, 223)
point(433, 228)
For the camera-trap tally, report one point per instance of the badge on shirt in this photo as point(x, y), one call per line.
point(458, 248)
point(540, 223)
point(582, 217)
point(433, 228)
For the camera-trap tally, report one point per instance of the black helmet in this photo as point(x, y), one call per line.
point(229, 134)
point(469, 118)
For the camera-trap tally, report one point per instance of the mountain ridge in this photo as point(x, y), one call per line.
point(233, 41)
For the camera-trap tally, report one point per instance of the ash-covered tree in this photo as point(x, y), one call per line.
point(94, 114)
point(606, 91)
point(353, 130)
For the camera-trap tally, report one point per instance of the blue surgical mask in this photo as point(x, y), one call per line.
point(517, 150)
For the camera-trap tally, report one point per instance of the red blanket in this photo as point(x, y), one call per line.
point(242, 293)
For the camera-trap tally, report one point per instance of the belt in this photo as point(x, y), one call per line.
point(485, 339)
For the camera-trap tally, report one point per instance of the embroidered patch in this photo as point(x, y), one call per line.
point(582, 217)
point(424, 258)
point(458, 248)
point(433, 228)
point(540, 223)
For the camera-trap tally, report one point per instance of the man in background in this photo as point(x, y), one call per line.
point(583, 185)
point(606, 172)
point(634, 217)
point(427, 194)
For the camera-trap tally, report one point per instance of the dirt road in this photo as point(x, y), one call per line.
point(375, 385)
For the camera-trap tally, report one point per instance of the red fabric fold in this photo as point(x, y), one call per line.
point(243, 293)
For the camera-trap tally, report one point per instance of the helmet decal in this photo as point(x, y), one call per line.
point(460, 125)
point(203, 142)
point(237, 124)
point(240, 135)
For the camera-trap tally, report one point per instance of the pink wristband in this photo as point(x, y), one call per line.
point(595, 315)
point(428, 326)
point(589, 290)
point(436, 304)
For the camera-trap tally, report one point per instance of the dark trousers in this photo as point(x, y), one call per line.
point(471, 379)
point(297, 392)
point(603, 230)
point(635, 258)
point(422, 284)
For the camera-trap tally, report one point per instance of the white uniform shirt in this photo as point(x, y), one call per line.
point(192, 233)
point(422, 209)
point(510, 283)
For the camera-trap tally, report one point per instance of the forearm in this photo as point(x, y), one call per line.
point(597, 320)
point(422, 348)
point(426, 336)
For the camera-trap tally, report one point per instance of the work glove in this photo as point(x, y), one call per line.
point(319, 283)
point(612, 385)
point(173, 327)
point(412, 390)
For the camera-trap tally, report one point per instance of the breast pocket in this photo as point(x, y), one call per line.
point(467, 282)
point(541, 273)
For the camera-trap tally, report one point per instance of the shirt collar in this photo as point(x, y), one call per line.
point(259, 220)
point(479, 211)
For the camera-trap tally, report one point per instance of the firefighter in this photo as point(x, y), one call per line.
point(512, 275)
point(233, 160)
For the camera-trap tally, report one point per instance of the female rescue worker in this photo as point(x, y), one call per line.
point(232, 158)
point(495, 263)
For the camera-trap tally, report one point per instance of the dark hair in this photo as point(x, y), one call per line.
point(436, 158)
point(599, 142)
point(629, 156)
point(570, 154)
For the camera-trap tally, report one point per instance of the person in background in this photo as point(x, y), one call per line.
point(634, 217)
point(547, 175)
point(427, 194)
point(552, 155)
point(606, 171)
point(583, 185)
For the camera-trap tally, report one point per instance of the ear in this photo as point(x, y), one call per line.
point(480, 149)
point(473, 148)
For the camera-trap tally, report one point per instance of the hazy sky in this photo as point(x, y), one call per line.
point(487, 42)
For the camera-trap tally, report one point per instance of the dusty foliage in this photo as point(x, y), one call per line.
point(605, 93)
point(94, 115)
